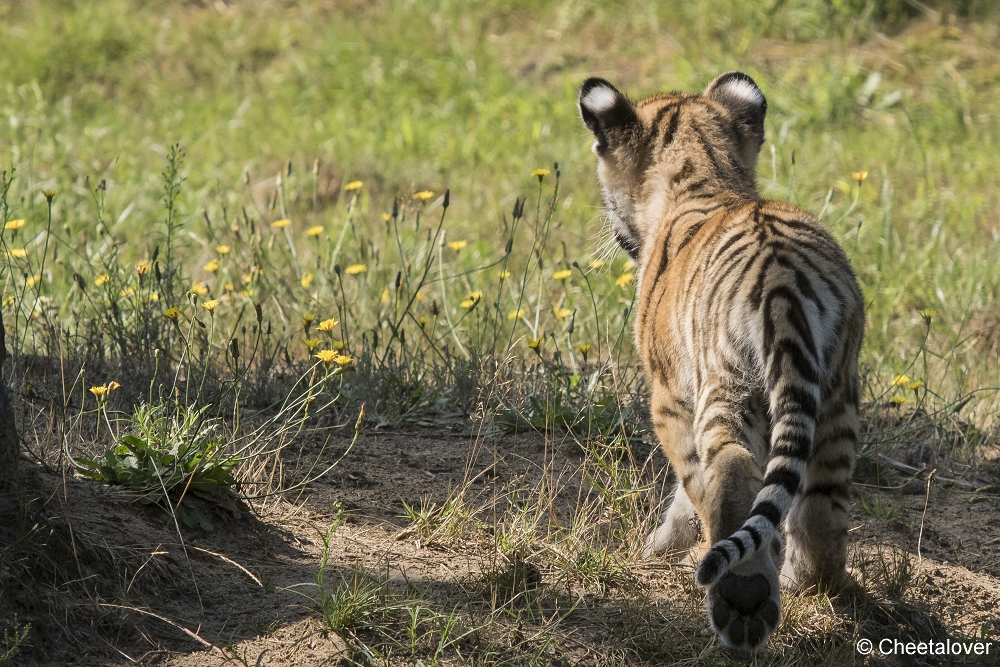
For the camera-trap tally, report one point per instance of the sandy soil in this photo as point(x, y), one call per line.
point(234, 586)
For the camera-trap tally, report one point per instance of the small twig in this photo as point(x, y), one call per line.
point(166, 620)
point(231, 562)
point(927, 499)
point(919, 472)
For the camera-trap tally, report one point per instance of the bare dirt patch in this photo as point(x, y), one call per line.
point(232, 596)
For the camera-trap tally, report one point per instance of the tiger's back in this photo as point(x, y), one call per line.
point(749, 324)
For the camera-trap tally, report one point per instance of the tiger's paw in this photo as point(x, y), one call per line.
point(744, 605)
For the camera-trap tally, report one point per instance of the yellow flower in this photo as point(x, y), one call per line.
point(326, 356)
point(354, 185)
point(534, 343)
point(112, 386)
point(900, 380)
point(562, 275)
point(154, 296)
point(457, 245)
point(128, 292)
point(422, 320)
point(928, 314)
point(281, 224)
point(386, 217)
point(17, 252)
point(629, 265)
point(562, 312)
point(342, 359)
point(212, 266)
point(514, 314)
point(624, 279)
point(355, 269)
point(210, 304)
point(308, 319)
point(142, 268)
point(315, 230)
point(222, 249)
point(385, 295)
point(312, 343)
point(477, 295)
point(100, 391)
point(229, 287)
point(199, 289)
point(503, 274)
point(49, 194)
point(916, 384)
point(101, 279)
point(540, 173)
point(898, 400)
point(583, 348)
point(327, 325)
point(33, 280)
point(597, 263)
point(423, 195)
point(9, 301)
point(172, 313)
point(859, 176)
point(468, 303)
point(14, 224)
point(338, 345)
point(307, 279)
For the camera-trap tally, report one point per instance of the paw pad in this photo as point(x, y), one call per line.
point(744, 610)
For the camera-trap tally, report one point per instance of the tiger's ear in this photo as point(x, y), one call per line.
point(741, 96)
point(605, 110)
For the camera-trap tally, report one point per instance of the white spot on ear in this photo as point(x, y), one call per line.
point(599, 100)
point(744, 90)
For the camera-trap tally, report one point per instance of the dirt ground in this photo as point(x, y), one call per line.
point(176, 605)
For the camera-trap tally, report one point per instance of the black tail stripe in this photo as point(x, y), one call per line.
point(739, 546)
point(769, 511)
point(789, 479)
point(754, 535)
point(796, 399)
point(802, 365)
point(719, 549)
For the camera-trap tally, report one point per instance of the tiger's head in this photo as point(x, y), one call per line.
point(668, 147)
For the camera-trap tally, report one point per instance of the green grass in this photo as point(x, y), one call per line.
point(407, 97)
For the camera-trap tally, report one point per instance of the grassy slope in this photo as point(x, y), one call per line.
point(432, 95)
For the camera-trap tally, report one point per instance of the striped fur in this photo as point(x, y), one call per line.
point(749, 324)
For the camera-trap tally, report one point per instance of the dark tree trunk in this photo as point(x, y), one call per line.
point(10, 443)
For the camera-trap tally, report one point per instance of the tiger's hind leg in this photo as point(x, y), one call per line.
point(673, 423)
point(679, 530)
point(818, 519)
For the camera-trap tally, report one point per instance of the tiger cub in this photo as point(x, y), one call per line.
point(749, 324)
